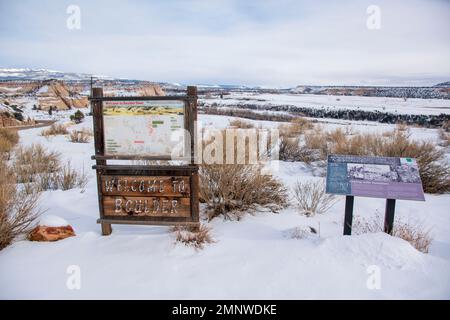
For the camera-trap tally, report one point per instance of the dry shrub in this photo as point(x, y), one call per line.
point(18, 209)
point(311, 198)
point(301, 232)
point(193, 238)
point(401, 126)
point(55, 129)
point(415, 233)
point(241, 124)
point(446, 126)
point(295, 127)
point(316, 139)
point(231, 189)
point(69, 178)
point(8, 139)
point(290, 149)
point(33, 162)
point(444, 136)
point(80, 136)
point(40, 169)
point(10, 135)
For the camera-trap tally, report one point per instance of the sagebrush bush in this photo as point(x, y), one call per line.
point(444, 136)
point(55, 129)
point(68, 178)
point(8, 140)
point(295, 127)
point(446, 126)
point(10, 135)
point(34, 160)
point(291, 149)
point(41, 169)
point(193, 238)
point(18, 209)
point(311, 199)
point(416, 234)
point(241, 124)
point(231, 189)
point(80, 136)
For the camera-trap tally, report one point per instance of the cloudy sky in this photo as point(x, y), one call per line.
point(270, 43)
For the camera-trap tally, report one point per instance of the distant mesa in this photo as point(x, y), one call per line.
point(443, 84)
point(439, 91)
point(58, 95)
point(47, 89)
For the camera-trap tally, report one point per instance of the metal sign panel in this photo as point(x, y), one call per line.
point(376, 177)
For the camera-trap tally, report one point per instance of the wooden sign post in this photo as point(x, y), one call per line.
point(143, 129)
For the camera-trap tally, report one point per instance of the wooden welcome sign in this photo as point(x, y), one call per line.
point(143, 129)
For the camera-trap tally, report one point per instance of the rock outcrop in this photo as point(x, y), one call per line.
point(51, 228)
point(57, 95)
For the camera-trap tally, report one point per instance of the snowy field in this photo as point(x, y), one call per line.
point(382, 104)
point(251, 258)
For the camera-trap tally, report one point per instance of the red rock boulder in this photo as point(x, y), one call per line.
point(44, 233)
point(51, 228)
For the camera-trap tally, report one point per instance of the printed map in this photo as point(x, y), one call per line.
point(146, 128)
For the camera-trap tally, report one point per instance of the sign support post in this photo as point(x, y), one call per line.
point(97, 113)
point(140, 129)
point(389, 216)
point(348, 220)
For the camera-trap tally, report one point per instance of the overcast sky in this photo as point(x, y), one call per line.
point(270, 43)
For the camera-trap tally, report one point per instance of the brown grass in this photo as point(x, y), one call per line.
point(446, 126)
point(295, 127)
point(416, 234)
point(10, 135)
point(290, 149)
point(241, 124)
point(193, 238)
point(230, 190)
point(18, 209)
point(8, 140)
point(41, 169)
point(311, 199)
point(80, 136)
point(55, 129)
point(32, 161)
point(444, 136)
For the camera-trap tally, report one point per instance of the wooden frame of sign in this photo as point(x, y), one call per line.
point(146, 194)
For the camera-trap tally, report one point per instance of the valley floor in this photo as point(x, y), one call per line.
point(251, 258)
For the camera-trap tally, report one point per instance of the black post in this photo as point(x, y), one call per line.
point(348, 215)
point(389, 216)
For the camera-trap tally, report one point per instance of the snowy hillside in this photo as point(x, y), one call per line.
point(381, 104)
point(45, 74)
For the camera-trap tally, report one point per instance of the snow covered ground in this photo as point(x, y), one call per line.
point(251, 258)
point(382, 104)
